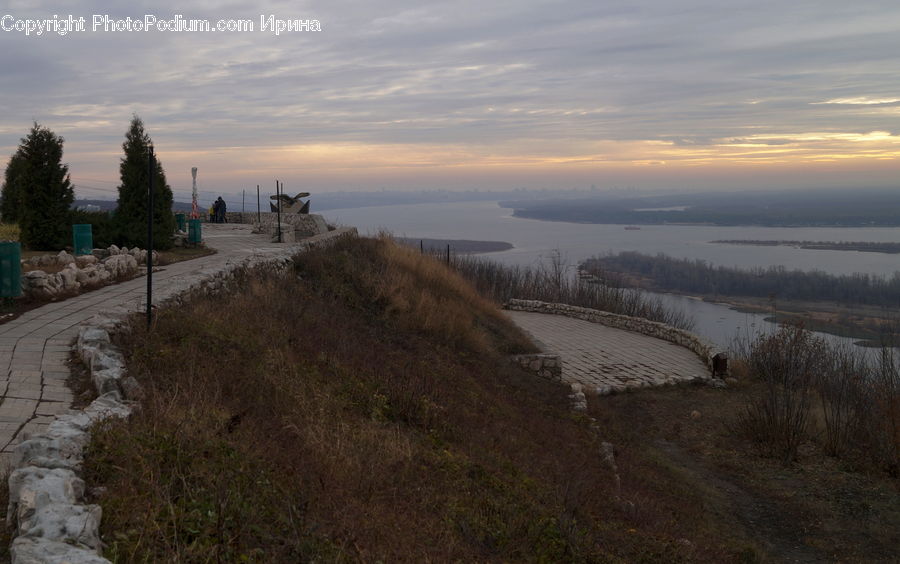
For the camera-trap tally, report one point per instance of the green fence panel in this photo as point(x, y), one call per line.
point(181, 221)
point(194, 235)
point(82, 239)
point(10, 269)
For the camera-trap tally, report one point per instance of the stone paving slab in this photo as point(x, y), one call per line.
point(610, 359)
point(35, 347)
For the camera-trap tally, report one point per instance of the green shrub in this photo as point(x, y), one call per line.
point(102, 226)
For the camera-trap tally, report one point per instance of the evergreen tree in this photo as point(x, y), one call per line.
point(131, 213)
point(46, 191)
point(11, 194)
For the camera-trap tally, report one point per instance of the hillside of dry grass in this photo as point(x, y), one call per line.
point(361, 408)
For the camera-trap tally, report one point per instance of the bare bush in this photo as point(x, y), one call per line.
point(858, 395)
point(787, 363)
point(845, 390)
point(553, 280)
point(885, 426)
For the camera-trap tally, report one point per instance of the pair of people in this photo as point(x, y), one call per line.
point(217, 211)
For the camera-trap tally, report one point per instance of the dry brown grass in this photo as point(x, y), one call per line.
point(9, 231)
point(440, 301)
point(179, 254)
point(358, 409)
point(698, 470)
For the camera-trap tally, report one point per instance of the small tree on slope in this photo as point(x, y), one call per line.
point(131, 212)
point(46, 191)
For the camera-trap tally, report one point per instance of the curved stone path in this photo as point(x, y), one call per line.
point(604, 359)
point(35, 347)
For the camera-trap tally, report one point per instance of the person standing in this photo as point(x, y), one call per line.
point(222, 209)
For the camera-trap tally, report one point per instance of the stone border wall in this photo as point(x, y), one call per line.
point(702, 348)
point(46, 508)
point(81, 273)
point(545, 365)
point(266, 218)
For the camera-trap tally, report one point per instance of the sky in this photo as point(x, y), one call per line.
point(658, 95)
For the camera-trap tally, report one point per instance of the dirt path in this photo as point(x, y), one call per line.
point(685, 443)
point(763, 521)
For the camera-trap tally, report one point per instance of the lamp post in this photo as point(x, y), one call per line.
point(151, 172)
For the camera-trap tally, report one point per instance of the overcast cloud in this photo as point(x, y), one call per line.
point(474, 94)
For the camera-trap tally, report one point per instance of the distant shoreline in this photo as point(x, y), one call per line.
point(464, 246)
point(868, 325)
point(524, 214)
point(860, 246)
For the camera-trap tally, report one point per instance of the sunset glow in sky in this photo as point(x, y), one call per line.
point(656, 94)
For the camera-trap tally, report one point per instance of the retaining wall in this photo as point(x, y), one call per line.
point(268, 218)
point(704, 349)
point(545, 365)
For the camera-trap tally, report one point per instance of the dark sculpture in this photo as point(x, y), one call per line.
point(291, 205)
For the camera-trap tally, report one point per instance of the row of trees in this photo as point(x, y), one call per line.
point(37, 192)
point(700, 277)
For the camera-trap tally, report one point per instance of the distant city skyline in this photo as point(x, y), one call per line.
point(677, 95)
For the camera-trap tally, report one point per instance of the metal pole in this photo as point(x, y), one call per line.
point(421, 246)
point(258, 214)
point(278, 208)
point(448, 254)
point(151, 169)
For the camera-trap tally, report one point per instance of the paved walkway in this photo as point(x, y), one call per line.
point(35, 347)
point(598, 356)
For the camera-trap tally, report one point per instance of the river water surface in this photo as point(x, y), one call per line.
point(535, 240)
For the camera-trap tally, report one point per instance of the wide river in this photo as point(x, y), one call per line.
point(535, 240)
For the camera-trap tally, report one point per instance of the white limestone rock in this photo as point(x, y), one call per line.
point(68, 277)
point(105, 357)
point(106, 406)
point(92, 335)
point(65, 522)
point(46, 260)
point(64, 450)
point(74, 418)
point(85, 260)
point(64, 258)
point(132, 388)
point(105, 321)
point(56, 485)
point(579, 401)
point(107, 379)
point(27, 550)
point(120, 265)
point(36, 276)
point(84, 275)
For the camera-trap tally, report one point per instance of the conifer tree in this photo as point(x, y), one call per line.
point(131, 212)
point(11, 194)
point(46, 190)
